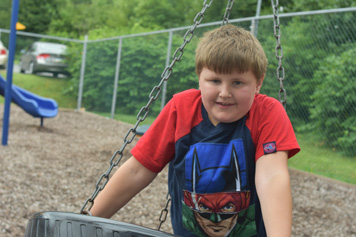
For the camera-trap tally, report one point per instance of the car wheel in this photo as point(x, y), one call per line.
point(21, 67)
point(30, 68)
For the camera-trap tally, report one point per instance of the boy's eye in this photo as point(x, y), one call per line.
point(237, 83)
point(215, 81)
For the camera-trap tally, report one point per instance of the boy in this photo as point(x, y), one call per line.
point(227, 147)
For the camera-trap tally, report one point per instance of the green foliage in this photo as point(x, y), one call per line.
point(311, 46)
point(77, 18)
point(37, 15)
point(309, 5)
point(335, 95)
point(141, 60)
point(167, 13)
point(217, 9)
point(5, 14)
point(142, 63)
point(302, 54)
point(183, 76)
point(306, 41)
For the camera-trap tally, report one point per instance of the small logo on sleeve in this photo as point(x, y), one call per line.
point(269, 148)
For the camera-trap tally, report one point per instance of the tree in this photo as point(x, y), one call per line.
point(333, 106)
point(5, 14)
point(309, 5)
point(77, 18)
point(37, 15)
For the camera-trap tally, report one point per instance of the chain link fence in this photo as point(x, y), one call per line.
point(116, 75)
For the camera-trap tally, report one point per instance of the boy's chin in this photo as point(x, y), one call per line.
point(222, 120)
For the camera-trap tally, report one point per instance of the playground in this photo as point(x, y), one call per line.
point(54, 168)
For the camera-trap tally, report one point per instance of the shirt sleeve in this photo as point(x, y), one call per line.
point(157, 146)
point(274, 131)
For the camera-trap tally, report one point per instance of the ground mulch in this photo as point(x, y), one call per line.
point(55, 168)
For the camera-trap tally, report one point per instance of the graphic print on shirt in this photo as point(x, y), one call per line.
point(216, 199)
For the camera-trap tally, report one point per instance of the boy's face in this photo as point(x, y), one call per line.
point(228, 97)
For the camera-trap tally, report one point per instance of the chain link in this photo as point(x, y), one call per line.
point(227, 12)
point(141, 116)
point(282, 94)
point(164, 213)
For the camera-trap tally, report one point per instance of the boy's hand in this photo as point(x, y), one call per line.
point(127, 181)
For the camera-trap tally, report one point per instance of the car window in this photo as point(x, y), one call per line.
point(53, 48)
point(33, 48)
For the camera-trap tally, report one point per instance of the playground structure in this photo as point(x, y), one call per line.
point(33, 104)
point(137, 134)
point(37, 106)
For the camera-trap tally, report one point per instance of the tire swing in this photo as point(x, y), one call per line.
point(63, 224)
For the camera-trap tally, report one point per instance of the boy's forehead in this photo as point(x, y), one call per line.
point(233, 72)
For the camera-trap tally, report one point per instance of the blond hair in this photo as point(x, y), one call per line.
point(229, 49)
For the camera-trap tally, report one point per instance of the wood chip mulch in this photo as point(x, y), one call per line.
point(55, 168)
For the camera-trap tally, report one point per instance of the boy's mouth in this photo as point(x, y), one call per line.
point(224, 104)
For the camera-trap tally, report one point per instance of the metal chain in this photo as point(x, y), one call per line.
point(282, 95)
point(142, 114)
point(227, 12)
point(164, 212)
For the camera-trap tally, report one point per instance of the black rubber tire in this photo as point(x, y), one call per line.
point(31, 68)
point(65, 224)
point(21, 67)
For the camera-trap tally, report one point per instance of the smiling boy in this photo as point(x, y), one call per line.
point(227, 148)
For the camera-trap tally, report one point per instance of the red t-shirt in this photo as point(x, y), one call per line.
point(211, 164)
point(267, 121)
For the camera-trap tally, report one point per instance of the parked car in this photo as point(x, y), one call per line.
point(3, 55)
point(44, 57)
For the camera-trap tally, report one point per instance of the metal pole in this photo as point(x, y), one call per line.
point(163, 102)
point(117, 75)
point(254, 22)
point(82, 71)
point(10, 65)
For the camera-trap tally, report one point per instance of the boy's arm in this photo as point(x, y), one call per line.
point(274, 192)
point(127, 181)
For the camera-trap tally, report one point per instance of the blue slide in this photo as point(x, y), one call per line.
point(37, 106)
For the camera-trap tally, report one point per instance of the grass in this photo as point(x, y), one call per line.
point(312, 158)
point(316, 159)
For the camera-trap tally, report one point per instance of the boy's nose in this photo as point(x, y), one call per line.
point(225, 91)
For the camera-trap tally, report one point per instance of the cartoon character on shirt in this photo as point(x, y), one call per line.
point(216, 200)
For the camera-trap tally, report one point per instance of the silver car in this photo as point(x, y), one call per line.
point(3, 55)
point(44, 57)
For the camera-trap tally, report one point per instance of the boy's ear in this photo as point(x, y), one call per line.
point(259, 84)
